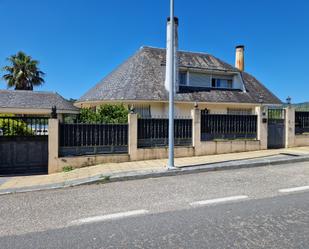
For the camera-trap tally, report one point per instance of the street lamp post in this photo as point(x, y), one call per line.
point(171, 78)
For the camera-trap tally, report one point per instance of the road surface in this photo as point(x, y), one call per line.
point(266, 207)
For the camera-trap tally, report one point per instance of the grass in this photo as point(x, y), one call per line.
point(104, 179)
point(67, 168)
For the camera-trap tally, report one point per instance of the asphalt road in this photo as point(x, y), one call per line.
point(263, 207)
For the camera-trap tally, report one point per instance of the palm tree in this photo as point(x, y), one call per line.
point(23, 73)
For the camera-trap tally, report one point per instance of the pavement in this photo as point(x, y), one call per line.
point(151, 168)
point(260, 207)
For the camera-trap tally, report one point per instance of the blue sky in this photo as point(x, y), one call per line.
point(79, 42)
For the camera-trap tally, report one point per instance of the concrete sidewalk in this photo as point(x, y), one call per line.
point(151, 168)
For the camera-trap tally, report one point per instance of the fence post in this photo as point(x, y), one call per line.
point(53, 145)
point(132, 136)
point(289, 127)
point(262, 126)
point(196, 130)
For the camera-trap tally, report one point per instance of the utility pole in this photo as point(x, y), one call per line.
point(171, 79)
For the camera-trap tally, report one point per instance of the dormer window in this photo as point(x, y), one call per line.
point(207, 80)
point(222, 83)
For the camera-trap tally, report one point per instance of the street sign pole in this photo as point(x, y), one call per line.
point(171, 76)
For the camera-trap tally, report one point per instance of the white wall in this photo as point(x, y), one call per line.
point(160, 109)
point(185, 108)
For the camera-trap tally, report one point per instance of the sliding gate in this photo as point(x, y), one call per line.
point(23, 145)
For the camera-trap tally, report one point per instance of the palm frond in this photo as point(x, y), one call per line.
point(23, 73)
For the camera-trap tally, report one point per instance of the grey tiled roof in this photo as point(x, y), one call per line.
point(142, 77)
point(34, 100)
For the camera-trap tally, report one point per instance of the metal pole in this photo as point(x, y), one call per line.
point(171, 90)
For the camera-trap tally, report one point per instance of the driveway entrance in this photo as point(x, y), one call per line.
point(23, 145)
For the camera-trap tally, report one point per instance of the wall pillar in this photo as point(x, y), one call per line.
point(289, 127)
point(132, 139)
point(196, 130)
point(53, 145)
point(262, 126)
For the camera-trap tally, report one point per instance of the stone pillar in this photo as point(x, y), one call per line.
point(289, 127)
point(196, 130)
point(53, 145)
point(132, 139)
point(262, 126)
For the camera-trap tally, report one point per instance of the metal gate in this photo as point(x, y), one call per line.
point(276, 128)
point(23, 145)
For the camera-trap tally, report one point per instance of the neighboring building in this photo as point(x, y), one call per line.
point(34, 103)
point(203, 79)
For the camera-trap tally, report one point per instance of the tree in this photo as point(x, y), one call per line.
point(23, 73)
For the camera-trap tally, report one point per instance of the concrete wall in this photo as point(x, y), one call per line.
point(86, 161)
point(160, 153)
point(301, 140)
point(224, 147)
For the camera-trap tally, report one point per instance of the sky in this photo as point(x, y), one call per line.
point(78, 42)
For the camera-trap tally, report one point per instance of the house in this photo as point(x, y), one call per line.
point(34, 103)
point(203, 79)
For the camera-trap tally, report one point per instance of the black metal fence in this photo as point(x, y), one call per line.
point(153, 132)
point(23, 126)
point(91, 139)
point(227, 127)
point(301, 122)
point(276, 115)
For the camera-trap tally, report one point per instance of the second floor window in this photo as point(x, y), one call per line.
point(183, 78)
point(195, 79)
point(221, 83)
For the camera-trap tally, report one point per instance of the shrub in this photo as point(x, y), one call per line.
point(110, 114)
point(67, 169)
point(88, 116)
point(15, 127)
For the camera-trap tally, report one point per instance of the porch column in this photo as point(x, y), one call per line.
point(289, 127)
point(53, 145)
point(196, 130)
point(262, 126)
point(132, 139)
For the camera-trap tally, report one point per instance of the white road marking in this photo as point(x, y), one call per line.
point(219, 200)
point(289, 190)
point(110, 217)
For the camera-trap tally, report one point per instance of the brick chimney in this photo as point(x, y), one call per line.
point(240, 58)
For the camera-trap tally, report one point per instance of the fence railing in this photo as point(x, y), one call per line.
point(23, 126)
point(301, 122)
point(227, 127)
point(90, 139)
point(153, 132)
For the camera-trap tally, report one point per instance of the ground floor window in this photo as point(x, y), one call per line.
point(144, 111)
point(234, 111)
